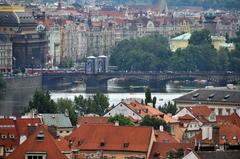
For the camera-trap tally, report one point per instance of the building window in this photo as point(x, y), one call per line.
point(4, 136)
point(228, 111)
point(220, 111)
point(11, 136)
point(36, 155)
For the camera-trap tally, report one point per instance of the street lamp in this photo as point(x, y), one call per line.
point(14, 63)
point(32, 64)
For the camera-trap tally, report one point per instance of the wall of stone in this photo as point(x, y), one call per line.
point(18, 94)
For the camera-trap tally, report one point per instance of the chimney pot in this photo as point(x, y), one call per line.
point(116, 123)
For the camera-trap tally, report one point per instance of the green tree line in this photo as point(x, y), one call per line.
point(152, 53)
point(43, 103)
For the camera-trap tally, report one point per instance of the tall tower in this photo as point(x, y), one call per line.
point(210, 22)
point(163, 8)
point(59, 7)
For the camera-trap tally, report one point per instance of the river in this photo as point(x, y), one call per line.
point(116, 93)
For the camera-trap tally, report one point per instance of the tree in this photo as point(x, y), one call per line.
point(100, 101)
point(148, 96)
point(67, 106)
point(178, 154)
point(42, 102)
point(97, 104)
point(154, 122)
point(200, 37)
point(66, 63)
point(142, 54)
point(121, 119)
point(154, 101)
point(2, 85)
point(169, 108)
point(80, 104)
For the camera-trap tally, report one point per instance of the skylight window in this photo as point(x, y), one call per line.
point(226, 97)
point(195, 95)
point(211, 96)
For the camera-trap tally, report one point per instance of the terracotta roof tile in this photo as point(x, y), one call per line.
point(161, 149)
point(90, 137)
point(164, 137)
point(62, 144)
point(233, 118)
point(92, 120)
point(200, 111)
point(32, 145)
point(7, 128)
point(23, 123)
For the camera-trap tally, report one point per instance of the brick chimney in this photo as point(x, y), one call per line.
point(216, 135)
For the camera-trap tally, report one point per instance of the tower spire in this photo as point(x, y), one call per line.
point(163, 8)
point(59, 7)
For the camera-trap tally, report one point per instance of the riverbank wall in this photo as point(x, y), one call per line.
point(18, 93)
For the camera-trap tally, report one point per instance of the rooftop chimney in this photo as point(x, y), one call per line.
point(161, 128)
point(216, 135)
point(116, 123)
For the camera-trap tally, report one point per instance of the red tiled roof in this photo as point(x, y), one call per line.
point(228, 133)
point(23, 123)
point(90, 137)
point(200, 111)
point(186, 117)
point(164, 137)
point(233, 118)
point(33, 145)
point(144, 110)
point(62, 144)
point(92, 120)
point(7, 127)
point(161, 149)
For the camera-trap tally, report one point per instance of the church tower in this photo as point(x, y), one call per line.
point(163, 8)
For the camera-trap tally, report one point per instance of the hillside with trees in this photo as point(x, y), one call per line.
point(152, 53)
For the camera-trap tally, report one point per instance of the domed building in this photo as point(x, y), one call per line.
point(29, 41)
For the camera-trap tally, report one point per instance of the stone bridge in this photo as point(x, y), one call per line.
point(157, 80)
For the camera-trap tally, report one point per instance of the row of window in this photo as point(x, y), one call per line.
point(5, 136)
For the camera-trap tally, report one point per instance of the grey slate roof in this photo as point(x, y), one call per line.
point(219, 154)
point(211, 95)
point(58, 120)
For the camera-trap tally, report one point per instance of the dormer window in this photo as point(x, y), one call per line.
point(3, 136)
point(11, 136)
point(211, 96)
point(125, 145)
point(195, 96)
point(102, 144)
point(226, 97)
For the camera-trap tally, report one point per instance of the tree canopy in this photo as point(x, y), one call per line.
point(154, 122)
point(97, 104)
point(152, 53)
point(43, 103)
point(169, 108)
point(200, 37)
point(142, 54)
point(121, 119)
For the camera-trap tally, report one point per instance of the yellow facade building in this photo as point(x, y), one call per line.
point(182, 41)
